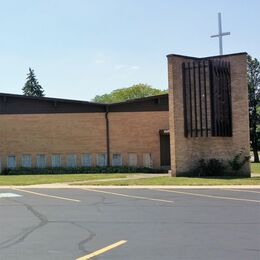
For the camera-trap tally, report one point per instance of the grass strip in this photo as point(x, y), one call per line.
point(181, 181)
point(55, 178)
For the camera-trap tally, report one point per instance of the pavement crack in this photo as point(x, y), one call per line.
point(82, 243)
point(27, 231)
point(99, 203)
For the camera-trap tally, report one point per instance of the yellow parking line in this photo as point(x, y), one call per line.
point(46, 195)
point(207, 196)
point(102, 250)
point(250, 191)
point(128, 196)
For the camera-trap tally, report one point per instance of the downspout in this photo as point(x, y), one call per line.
point(107, 136)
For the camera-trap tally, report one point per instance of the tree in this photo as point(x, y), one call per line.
point(32, 86)
point(253, 73)
point(133, 92)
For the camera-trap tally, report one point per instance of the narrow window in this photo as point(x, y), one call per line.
point(101, 159)
point(26, 160)
point(40, 161)
point(72, 160)
point(132, 159)
point(11, 162)
point(117, 159)
point(86, 160)
point(56, 160)
point(147, 160)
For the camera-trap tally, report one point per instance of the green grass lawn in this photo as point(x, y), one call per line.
point(165, 180)
point(60, 178)
point(255, 168)
point(54, 178)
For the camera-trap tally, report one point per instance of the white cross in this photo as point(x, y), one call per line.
point(220, 34)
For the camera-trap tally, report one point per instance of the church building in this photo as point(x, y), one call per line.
point(51, 132)
point(204, 116)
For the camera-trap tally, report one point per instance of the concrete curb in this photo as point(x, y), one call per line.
point(66, 186)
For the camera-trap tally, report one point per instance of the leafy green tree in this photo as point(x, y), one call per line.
point(32, 86)
point(133, 92)
point(253, 73)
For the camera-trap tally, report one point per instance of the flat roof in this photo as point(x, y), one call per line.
point(208, 57)
point(21, 104)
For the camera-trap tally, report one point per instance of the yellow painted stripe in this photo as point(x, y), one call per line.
point(128, 196)
point(207, 196)
point(102, 250)
point(250, 191)
point(46, 195)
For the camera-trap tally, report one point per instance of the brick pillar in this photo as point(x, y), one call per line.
point(185, 152)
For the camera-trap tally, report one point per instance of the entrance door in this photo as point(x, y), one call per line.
point(165, 150)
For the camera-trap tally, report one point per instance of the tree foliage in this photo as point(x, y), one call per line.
point(32, 86)
point(133, 92)
point(253, 73)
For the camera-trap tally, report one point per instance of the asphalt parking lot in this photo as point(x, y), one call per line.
point(129, 224)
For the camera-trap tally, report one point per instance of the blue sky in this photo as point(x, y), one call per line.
point(83, 48)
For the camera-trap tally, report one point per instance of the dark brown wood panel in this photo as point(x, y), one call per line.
point(19, 104)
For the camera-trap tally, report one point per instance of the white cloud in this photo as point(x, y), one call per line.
point(101, 58)
point(135, 67)
point(100, 61)
point(119, 66)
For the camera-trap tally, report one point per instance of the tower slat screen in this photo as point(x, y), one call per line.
point(207, 98)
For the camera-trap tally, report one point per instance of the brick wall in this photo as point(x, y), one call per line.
point(137, 132)
point(186, 151)
point(80, 133)
point(51, 133)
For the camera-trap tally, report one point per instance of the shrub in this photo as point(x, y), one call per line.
point(211, 167)
point(112, 169)
point(215, 167)
point(238, 162)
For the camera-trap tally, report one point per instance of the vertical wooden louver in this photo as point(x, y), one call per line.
point(207, 98)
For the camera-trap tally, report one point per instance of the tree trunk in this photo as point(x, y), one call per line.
point(254, 132)
point(256, 157)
